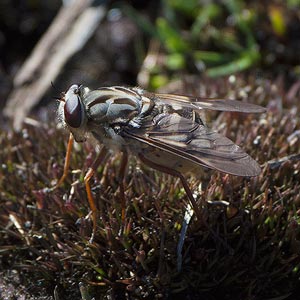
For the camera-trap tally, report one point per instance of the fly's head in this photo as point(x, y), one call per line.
point(72, 112)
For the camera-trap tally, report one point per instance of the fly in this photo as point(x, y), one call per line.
point(164, 131)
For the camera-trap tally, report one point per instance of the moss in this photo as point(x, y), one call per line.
point(249, 246)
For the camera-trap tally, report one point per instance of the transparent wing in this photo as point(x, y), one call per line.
point(194, 142)
point(207, 103)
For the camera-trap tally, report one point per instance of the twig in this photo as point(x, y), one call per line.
point(69, 32)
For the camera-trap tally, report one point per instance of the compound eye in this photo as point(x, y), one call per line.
point(73, 111)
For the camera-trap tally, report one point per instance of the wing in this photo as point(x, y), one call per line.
point(184, 139)
point(197, 103)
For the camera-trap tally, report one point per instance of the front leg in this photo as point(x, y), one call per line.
point(89, 174)
point(67, 161)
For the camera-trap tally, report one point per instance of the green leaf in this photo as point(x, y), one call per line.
point(209, 56)
point(157, 81)
point(175, 61)
point(242, 62)
point(205, 15)
point(187, 7)
point(171, 39)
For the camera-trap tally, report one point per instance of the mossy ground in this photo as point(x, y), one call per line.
point(249, 247)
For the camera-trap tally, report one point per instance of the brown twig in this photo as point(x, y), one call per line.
point(69, 32)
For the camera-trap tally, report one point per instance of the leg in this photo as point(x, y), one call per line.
point(177, 174)
point(67, 161)
point(123, 166)
point(189, 194)
point(89, 174)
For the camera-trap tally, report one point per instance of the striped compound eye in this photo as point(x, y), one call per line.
point(73, 108)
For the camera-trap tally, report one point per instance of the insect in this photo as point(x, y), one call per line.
point(164, 131)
